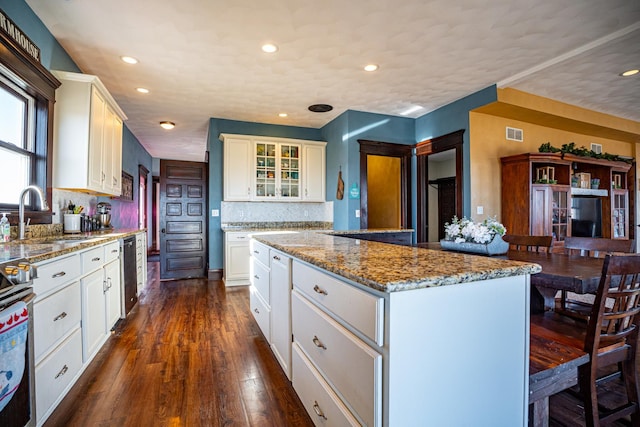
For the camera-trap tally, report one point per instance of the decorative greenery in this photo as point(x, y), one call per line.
point(581, 151)
point(465, 230)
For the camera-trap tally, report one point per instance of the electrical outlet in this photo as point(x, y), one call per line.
point(215, 212)
point(357, 213)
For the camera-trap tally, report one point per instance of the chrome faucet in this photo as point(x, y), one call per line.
point(43, 207)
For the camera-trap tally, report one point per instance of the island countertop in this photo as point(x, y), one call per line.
point(44, 248)
point(392, 268)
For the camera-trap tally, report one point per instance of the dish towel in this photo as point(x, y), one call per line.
point(13, 345)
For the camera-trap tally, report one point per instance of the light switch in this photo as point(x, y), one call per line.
point(215, 212)
point(480, 210)
point(357, 213)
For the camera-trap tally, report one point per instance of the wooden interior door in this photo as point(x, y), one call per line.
point(183, 219)
point(446, 203)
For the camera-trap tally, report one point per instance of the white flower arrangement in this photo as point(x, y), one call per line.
point(465, 230)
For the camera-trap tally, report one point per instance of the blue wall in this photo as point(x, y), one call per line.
point(453, 117)
point(216, 127)
point(54, 57)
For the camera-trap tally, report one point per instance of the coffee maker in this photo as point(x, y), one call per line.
point(103, 215)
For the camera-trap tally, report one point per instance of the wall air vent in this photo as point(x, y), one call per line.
point(596, 148)
point(514, 134)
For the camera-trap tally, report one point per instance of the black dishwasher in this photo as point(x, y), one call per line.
point(130, 274)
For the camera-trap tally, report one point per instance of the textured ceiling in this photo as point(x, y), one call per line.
point(202, 58)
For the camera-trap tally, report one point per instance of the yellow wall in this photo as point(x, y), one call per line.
point(488, 143)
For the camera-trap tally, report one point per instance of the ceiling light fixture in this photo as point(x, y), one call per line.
point(630, 73)
point(370, 67)
point(283, 114)
point(320, 108)
point(167, 125)
point(129, 59)
point(142, 90)
point(269, 48)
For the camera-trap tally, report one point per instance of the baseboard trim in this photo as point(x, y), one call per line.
point(215, 274)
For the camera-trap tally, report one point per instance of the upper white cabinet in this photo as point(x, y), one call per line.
point(87, 137)
point(273, 169)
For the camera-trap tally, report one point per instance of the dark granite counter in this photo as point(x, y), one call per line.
point(392, 268)
point(44, 248)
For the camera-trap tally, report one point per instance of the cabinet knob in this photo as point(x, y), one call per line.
point(318, 343)
point(276, 257)
point(319, 290)
point(256, 310)
point(317, 410)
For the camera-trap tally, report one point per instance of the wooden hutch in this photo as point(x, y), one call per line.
point(538, 192)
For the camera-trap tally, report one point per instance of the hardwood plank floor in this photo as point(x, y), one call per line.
point(189, 354)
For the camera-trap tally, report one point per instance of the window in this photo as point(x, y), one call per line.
point(17, 141)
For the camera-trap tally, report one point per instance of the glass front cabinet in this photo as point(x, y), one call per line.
point(277, 171)
point(619, 214)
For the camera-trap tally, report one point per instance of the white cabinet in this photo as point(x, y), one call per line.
point(314, 173)
point(260, 294)
point(258, 168)
point(237, 168)
point(94, 313)
point(87, 135)
point(280, 298)
point(113, 291)
point(141, 260)
point(236, 258)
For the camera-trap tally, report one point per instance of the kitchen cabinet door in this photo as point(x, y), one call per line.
point(280, 309)
point(238, 153)
point(96, 140)
point(314, 173)
point(94, 314)
point(113, 289)
point(236, 259)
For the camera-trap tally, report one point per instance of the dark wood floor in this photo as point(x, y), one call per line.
point(189, 354)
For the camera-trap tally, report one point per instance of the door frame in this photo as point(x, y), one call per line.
point(453, 140)
point(378, 148)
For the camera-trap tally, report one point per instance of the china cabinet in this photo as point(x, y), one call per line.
point(273, 169)
point(548, 194)
point(88, 135)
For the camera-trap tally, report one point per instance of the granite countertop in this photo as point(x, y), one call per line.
point(44, 248)
point(392, 268)
point(370, 231)
point(273, 226)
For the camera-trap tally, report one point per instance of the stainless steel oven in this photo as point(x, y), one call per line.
point(17, 370)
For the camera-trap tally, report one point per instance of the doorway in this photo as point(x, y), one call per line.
point(440, 184)
point(385, 189)
point(183, 219)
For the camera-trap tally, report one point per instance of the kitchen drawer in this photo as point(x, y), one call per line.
point(55, 316)
point(260, 280)
point(55, 373)
point(260, 252)
point(237, 236)
point(55, 273)
point(260, 312)
point(324, 407)
point(361, 310)
point(111, 251)
point(92, 259)
point(354, 368)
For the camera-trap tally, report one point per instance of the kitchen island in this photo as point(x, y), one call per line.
point(389, 335)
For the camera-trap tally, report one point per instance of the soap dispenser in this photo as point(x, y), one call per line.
point(5, 228)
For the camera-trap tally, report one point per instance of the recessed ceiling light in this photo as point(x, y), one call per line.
point(142, 90)
point(630, 73)
point(129, 59)
point(320, 108)
point(269, 48)
point(283, 114)
point(370, 67)
point(167, 125)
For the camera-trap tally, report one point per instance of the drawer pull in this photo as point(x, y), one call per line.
point(63, 371)
point(317, 410)
point(276, 257)
point(255, 276)
point(241, 237)
point(319, 290)
point(60, 316)
point(318, 343)
point(113, 251)
point(60, 274)
point(256, 252)
point(256, 310)
point(96, 259)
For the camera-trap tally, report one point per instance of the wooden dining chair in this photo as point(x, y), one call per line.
point(528, 243)
point(568, 303)
point(610, 337)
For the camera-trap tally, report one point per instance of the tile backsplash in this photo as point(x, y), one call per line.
point(61, 199)
point(233, 212)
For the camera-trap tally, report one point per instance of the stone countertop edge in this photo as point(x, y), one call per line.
point(392, 268)
point(44, 248)
point(369, 231)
